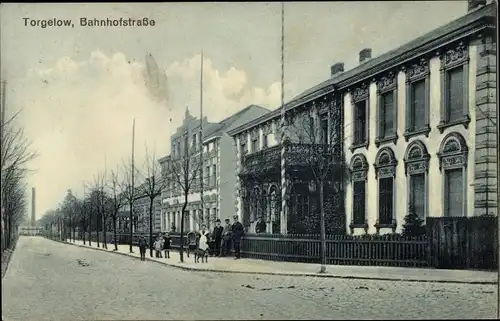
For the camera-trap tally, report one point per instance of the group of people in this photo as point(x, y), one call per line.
point(161, 243)
point(219, 242)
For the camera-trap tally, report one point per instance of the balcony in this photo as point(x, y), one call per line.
point(298, 156)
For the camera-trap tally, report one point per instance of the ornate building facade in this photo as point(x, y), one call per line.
point(417, 130)
point(277, 185)
point(420, 127)
point(218, 167)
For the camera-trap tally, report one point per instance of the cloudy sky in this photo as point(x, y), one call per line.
point(79, 88)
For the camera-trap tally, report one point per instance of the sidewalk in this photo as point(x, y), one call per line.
point(251, 266)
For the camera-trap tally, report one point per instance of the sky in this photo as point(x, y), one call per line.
point(79, 88)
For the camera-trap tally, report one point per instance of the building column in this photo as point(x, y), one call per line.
point(486, 162)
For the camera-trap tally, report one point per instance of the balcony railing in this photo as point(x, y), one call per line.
point(298, 155)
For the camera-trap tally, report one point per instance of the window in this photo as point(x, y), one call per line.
point(214, 172)
point(385, 202)
point(454, 87)
point(455, 97)
point(453, 192)
point(360, 129)
point(264, 141)
point(417, 119)
point(207, 175)
point(255, 144)
point(193, 141)
point(387, 117)
point(359, 203)
point(243, 148)
point(417, 99)
point(385, 170)
point(417, 194)
point(324, 131)
point(359, 170)
point(453, 160)
point(302, 206)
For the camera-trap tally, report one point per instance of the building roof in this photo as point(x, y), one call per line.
point(464, 26)
point(223, 125)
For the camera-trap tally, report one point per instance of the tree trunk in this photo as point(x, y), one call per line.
point(322, 227)
point(104, 238)
point(89, 230)
point(114, 233)
point(130, 226)
point(151, 228)
point(181, 252)
point(83, 232)
point(97, 227)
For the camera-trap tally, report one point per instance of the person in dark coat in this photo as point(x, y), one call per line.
point(142, 247)
point(217, 237)
point(237, 231)
point(166, 244)
point(226, 237)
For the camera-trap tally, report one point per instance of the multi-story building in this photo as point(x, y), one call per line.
point(420, 126)
point(418, 129)
point(218, 167)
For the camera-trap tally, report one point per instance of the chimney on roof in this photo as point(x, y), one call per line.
point(337, 68)
point(475, 4)
point(365, 55)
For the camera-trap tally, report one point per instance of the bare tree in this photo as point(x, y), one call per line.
point(15, 153)
point(183, 171)
point(69, 208)
point(323, 155)
point(117, 200)
point(155, 183)
point(102, 206)
point(128, 191)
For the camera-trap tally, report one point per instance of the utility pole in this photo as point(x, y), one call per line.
point(132, 188)
point(201, 142)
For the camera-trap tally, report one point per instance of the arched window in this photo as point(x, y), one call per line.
point(416, 171)
point(453, 165)
point(385, 172)
point(255, 206)
point(359, 170)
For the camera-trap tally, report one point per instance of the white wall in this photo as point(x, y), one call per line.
point(435, 185)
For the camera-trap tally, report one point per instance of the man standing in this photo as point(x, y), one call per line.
point(226, 237)
point(142, 247)
point(237, 232)
point(217, 235)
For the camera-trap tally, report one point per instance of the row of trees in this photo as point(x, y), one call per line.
point(16, 153)
point(112, 191)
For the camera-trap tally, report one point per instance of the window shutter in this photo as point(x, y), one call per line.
point(418, 95)
point(455, 93)
point(454, 193)
point(388, 114)
point(418, 194)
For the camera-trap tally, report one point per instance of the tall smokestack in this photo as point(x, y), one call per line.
point(33, 217)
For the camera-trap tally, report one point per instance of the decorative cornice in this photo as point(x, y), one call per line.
point(455, 55)
point(418, 70)
point(387, 82)
point(361, 92)
point(470, 24)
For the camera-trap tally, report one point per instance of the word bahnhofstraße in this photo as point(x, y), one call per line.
point(89, 22)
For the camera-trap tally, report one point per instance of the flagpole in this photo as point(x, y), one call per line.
point(284, 207)
point(201, 141)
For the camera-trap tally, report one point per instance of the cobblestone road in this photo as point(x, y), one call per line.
point(52, 281)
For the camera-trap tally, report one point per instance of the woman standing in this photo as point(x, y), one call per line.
point(203, 240)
